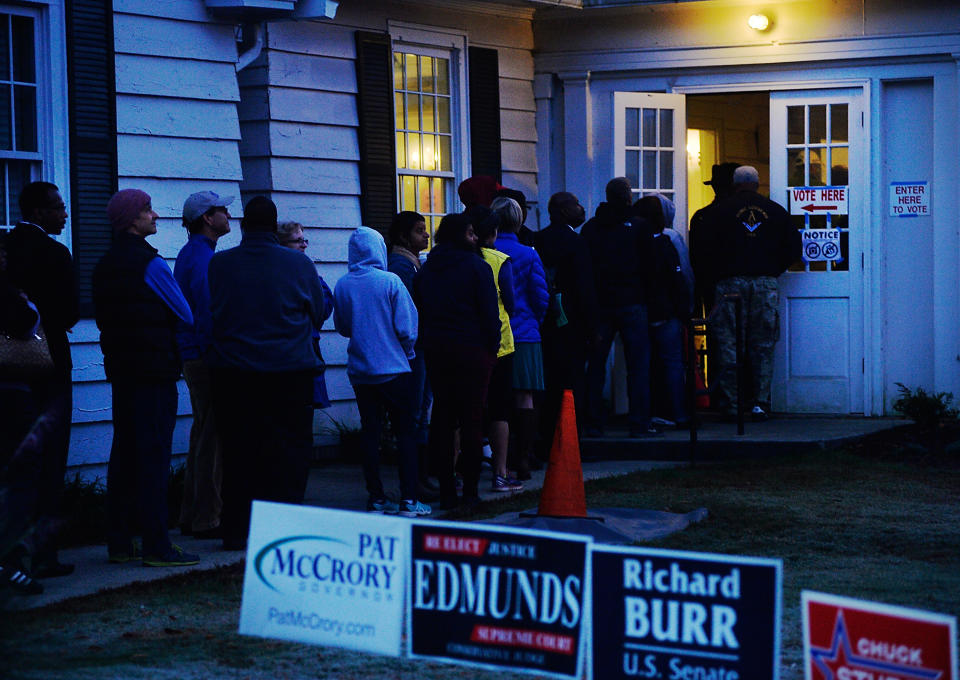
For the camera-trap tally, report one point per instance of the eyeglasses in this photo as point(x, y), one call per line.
point(301, 241)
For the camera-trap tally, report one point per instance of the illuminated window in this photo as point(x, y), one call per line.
point(424, 110)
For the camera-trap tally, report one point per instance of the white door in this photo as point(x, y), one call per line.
point(649, 141)
point(816, 139)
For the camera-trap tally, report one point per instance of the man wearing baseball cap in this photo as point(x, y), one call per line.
point(206, 219)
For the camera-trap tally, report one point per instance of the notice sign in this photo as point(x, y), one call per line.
point(847, 639)
point(684, 615)
point(497, 597)
point(818, 200)
point(327, 577)
point(821, 244)
point(909, 199)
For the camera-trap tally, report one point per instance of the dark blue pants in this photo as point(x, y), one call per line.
point(667, 341)
point(139, 468)
point(630, 321)
point(397, 397)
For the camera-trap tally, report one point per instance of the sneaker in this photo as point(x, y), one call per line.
point(175, 557)
point(19, 581)
point(662, 423)
point(133, 554)
point(414, 509)
point(383, 506)
point(506, 484)
point(758, 414)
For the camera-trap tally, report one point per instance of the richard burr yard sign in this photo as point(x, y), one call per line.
point(683, 615)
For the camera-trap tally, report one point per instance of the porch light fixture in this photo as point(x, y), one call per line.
point(758, 22)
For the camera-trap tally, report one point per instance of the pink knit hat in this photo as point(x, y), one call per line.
point(125, 206)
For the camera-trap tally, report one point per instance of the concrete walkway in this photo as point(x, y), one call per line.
point(341, 486)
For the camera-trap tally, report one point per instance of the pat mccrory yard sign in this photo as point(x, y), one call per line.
point(848, 639)
point(326, 577)
point(498, 598)
point(681, 615)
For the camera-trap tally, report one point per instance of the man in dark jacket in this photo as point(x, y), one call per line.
point(570, 324)
point(265, 300)
point(137, 303)
point(43, 269)
point(702, 225)
point(618, 244)
point(752, 244)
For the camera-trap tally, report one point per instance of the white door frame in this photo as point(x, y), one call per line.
point(869, 342)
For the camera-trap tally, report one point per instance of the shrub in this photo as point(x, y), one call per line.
point(928, 411)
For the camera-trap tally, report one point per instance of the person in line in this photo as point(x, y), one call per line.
point(569, 327)
point(619, 249)
point(530, 305)
point(373, 309)
point(499, 402)
point(43, 269)
point(291, 236)
point(206, 219)
point(753, 243)
point(408, 237)
point(524, 233)
point(668, 305)
point(137, 303)
point(703, 223)
point(266, 301)
point(460, 334)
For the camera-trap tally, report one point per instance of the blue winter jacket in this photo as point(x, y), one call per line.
point(373, 308)
point(530, 293)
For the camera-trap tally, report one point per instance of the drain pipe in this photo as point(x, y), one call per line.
point(250, 54)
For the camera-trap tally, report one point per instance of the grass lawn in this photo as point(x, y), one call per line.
point(876, 521)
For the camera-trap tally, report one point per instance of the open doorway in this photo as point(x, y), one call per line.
point(733, 127)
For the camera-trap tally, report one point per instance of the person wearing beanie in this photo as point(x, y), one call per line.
point(265, 302)
point(137, 304)
point(478, 190)
point(206, 219)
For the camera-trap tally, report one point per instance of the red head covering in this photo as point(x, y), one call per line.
point(125, 206)
point(478, 190)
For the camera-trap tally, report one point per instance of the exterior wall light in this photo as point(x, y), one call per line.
point(758, 22)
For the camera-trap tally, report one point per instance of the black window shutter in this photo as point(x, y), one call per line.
point(378, 159)
point(485, 112)
point(93, 135)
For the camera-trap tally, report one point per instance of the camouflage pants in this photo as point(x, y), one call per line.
point(759, 333)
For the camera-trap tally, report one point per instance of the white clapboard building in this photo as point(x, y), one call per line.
point(345, 112)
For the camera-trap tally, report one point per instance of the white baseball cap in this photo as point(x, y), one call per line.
point(199, 203)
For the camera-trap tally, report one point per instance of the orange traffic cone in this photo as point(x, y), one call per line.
point(563, 494)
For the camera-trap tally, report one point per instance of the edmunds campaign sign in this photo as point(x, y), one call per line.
point(682, 615)
point(326, 577)
point(497, 597)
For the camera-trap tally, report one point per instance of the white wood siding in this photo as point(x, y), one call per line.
point(177, 132)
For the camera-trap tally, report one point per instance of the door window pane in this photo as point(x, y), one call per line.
point(632, 167)
point(413, 112)
point(443, 76)
point(24, 66)
point(429, 156)
point(445, 163)
point(401, 150)
point(649, 127)
point(408, 195)
point(838, 123)
point(649, 170)
point(796, 167)
point(429, 122)
point(818, 124)
point(795, 124)
point(398, 111)
point(412, 72)
point(840, 166)
point(426, 68)
point(6, 120)
point(666, 127)
point(818, 166)
point(397, 71)
point(413, 151)
point(25, 103)
point(632, 127)
point(666, 170)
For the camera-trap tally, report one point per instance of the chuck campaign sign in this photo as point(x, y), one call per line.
point(327, 577)
point(682, 616)
point(497, 597)
point(847, 639)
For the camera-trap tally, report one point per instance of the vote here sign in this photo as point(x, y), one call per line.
point(847, 639)
point(909, 199)
point(818, 200)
